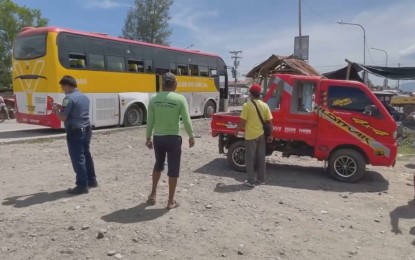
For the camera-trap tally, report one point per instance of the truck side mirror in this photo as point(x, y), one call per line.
point(371, 110)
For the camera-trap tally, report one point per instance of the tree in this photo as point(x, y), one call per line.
point(148, 21)
point(12, 19)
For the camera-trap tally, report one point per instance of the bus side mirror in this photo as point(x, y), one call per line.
point(372, 110)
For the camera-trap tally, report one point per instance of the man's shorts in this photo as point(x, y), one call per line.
point(170, 145)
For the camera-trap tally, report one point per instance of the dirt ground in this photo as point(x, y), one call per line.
point(299, 214)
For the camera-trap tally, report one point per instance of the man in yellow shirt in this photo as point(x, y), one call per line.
point(254, 135)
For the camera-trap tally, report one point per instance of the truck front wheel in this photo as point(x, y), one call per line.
point(236, 156)
point(347, 165)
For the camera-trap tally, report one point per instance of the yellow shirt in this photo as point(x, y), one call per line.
point(253, 125)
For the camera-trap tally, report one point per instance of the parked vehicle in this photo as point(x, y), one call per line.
point(337, 121)
point(385, 98)
point(6, 113)
point(118, 75)
point(238, 99)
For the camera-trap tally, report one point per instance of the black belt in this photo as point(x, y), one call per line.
point(77, 129)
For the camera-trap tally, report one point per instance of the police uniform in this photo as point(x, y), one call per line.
point(75, 107)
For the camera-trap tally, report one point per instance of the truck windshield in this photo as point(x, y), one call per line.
point(29, 47)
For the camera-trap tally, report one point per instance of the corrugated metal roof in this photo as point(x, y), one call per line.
point(282, 64)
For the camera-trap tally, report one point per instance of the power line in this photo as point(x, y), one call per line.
point(370, 54)
point(315, 13)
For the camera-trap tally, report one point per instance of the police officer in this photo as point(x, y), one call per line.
point(74, 112)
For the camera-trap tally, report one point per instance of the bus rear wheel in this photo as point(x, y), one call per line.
point(134, 116)
point(210, 109)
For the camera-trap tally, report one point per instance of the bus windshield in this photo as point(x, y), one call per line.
point(30, 47)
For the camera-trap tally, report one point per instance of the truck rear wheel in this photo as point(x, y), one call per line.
point(236, 156)
point(347, 165)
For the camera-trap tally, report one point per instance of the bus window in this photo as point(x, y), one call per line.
point(148, 65)
point(132, 67)
point(173, 68)
point(96, 61)
point(161, 71)
point(115, 63)
point(114, 49)
point(29, 47)
point(204, 72)
point(213, 72)
point(135, 66)
point(182, 69)
point(77, 60)
point(194, 70)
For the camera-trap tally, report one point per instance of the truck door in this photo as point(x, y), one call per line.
point(345, 119)
point(301, 120)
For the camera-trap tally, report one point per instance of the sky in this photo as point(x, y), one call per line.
point(260, 28)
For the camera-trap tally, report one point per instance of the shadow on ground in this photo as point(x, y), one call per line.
point(140, 213)
point(403, 212)
point(23, 201)
point(410, 166)
point(294, 176)
point(30, 133)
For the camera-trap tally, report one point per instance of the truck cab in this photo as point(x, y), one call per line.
point(337, 121)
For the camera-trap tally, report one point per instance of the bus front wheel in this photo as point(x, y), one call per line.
point(210, 109)
point(134, 116)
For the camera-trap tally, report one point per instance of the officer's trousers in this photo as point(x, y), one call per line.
point(82, 163)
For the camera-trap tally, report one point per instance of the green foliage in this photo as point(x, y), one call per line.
point(406, 143)
point(148, 21)
point(12, 19)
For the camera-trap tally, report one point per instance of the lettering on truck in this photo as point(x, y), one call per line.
point(378, 148)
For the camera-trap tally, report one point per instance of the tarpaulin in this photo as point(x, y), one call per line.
point(342, 74)
point(397, 73)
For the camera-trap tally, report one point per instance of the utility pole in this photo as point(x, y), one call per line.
point(399, 65)
point(236, 59)
point(299, 29)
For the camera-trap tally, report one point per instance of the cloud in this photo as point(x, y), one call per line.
point(189, 16)
point(104, 4)
point(408, 53)
point(386, 26)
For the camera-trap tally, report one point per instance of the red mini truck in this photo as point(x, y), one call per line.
point(336, 121)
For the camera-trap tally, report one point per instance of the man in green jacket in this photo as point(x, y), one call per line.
point(163, 123)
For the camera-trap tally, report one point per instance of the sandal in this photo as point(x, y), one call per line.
point(151, 200)
point(175, 205)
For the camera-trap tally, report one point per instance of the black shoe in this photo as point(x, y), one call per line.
point(78, 190)
point(93, 184)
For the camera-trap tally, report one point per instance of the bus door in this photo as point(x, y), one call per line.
point(222, 82)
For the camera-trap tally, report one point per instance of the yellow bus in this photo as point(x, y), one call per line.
point(118, 75)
